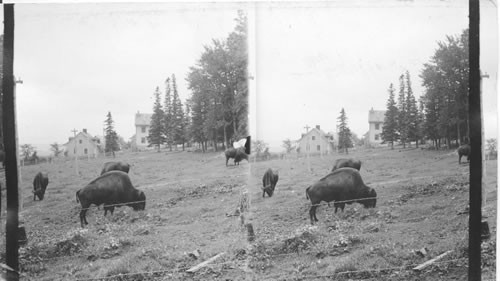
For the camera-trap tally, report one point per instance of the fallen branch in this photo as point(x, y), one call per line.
point(203, 264)
point(429, 262)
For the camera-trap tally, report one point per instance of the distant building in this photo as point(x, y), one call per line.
point(316, 141)
point(142, 124)
point(83, 144)
point(376, 123)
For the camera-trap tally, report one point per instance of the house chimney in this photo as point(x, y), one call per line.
point(317, 127)
point(85, 130)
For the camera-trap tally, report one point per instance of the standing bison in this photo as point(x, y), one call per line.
point(111, 189)
point(40, 185)
point(344, 184)
point(269, 181)
point(115, 166)
point(237, 154)
point(341, 163)
point(463, 150)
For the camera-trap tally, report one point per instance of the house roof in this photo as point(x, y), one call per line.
point(320, 132)
point(85, 135)
point(143, 119)
point(376, 116)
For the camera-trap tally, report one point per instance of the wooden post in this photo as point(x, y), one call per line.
point(475, 166)
point(10, 143)
point(483, 147)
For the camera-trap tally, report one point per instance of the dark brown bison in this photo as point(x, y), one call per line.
point(115, 166)
point(344, 184)
point(237, 154)
point(40, 185)
point(340, 163)
point(113, 189)
point(463, 150)
point(269, 181)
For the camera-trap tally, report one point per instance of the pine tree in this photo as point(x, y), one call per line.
point(389, 130)
point(344, 132)
point(411, 112)
point(156, 136)
point(177, 115)
point(402, 112)
point(167, 119)
point(111, 138)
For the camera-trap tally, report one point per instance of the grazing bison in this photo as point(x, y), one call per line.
point(463, 150)
point(115, 166)
point(341, 185)
point(40, 185)
point(111, 189)
point(269, 182)
point(340, 163)
point(237, 154)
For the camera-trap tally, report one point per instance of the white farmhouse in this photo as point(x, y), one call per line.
point(83, 144)
point(316, 141)
point(142, 124)
point(376, 123)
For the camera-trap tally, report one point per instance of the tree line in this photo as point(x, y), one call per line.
point(217, 110)
point(442, 113)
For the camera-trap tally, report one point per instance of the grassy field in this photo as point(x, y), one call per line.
point(192, 199)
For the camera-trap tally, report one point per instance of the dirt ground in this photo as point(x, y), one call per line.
point(191, 216)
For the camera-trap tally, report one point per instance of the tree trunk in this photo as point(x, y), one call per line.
point(234, 127)
point(225, 136)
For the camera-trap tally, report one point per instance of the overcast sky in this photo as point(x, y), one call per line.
point(314, 60)
point(308, 60)
point(79, 61)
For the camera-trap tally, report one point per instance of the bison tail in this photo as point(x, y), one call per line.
point(307, 192)
point(77, 195)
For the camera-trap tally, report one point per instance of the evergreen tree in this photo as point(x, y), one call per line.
point(111, 138)
point(177, 121)
point(402, 112)
point(344, 132)
point(156, 136)
point(390, 128)
point(411, 112)
point(167, 119)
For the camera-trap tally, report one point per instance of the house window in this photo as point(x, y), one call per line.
point(80, 141)
point(143, 140)
point(85, 151)
point(318, 147)
point(313, 137)
point(143, 129)
point(377, 126)
point(376, 137)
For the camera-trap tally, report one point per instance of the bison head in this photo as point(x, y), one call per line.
point(372, 201)
point(141, 201)
point(269, 190)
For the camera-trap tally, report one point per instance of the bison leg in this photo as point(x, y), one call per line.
point(263, 193)
point(459, 159)
point(312, 214)
point(83, 218)
point(227, 159)
point(339, 205)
